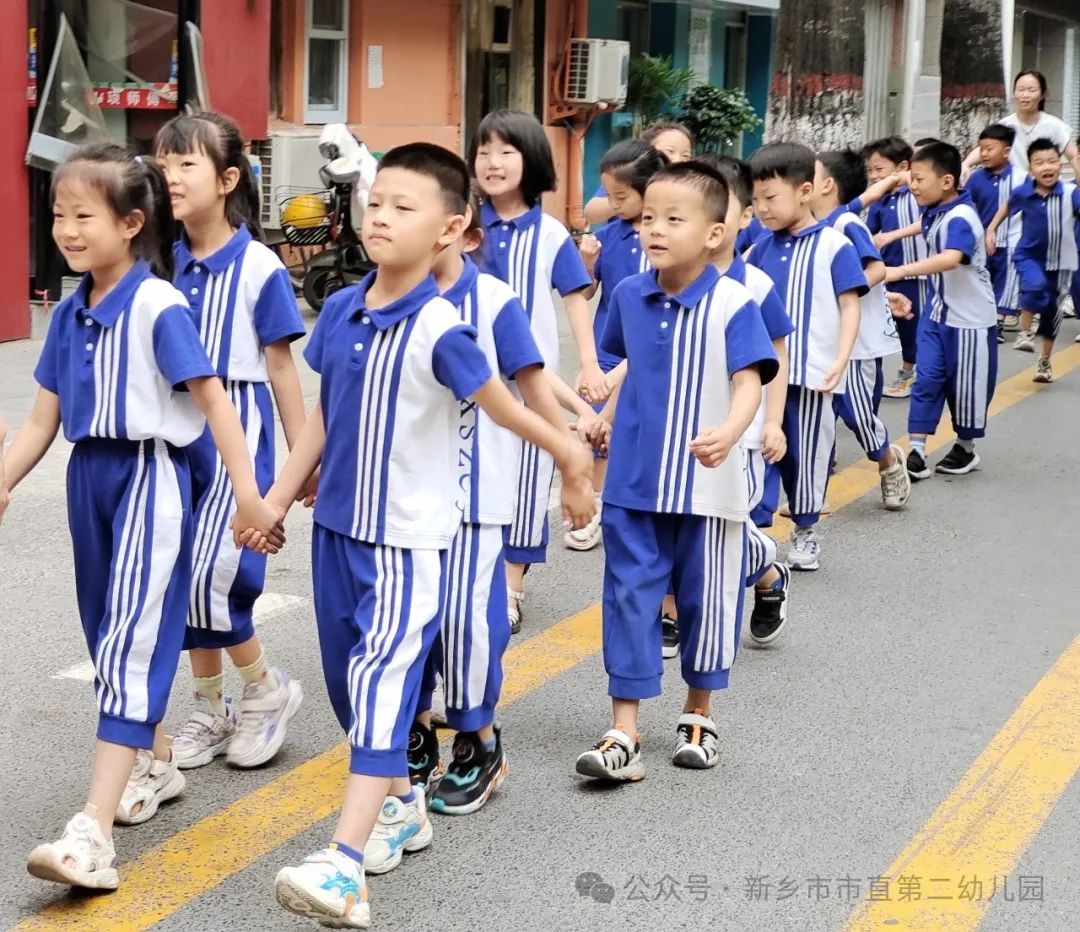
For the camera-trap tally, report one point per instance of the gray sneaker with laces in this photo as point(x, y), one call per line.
point(804, 549)
point(895, 482)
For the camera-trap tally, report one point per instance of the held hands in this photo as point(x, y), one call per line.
point(259, 525)
point(991, 242)
point(310, 490)
point(712, 445)
point(594, 430)
point(589, 248)
point(899, 305)
point(773, 443)
point(578, 497)
point(591, 384)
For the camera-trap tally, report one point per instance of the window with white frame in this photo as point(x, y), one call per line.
point(327, 66)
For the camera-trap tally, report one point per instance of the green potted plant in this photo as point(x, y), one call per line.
point(717, 116)
point(654, 88)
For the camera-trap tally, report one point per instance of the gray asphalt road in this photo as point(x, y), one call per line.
point(905, 655)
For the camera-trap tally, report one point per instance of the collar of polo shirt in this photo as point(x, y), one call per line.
point(490, 217)
point(408, 304)
point(689, 296)
point(737, 269)
point(805, 231)
point(624, 229)
point(455, 294)
point(216, 262)
point(962, 198)
point(108, 308)
point(1030, 190)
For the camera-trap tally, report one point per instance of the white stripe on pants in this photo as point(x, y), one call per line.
point(761, 547)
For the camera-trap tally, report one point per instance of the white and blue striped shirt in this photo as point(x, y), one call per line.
point(962, 297)
point(243, 301)
point(682, 351)
point(488, 452)
point(392, 381)
point(811, 269)
point(116, 366)
point(534, 254)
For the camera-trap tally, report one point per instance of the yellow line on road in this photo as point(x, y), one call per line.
point(175, 872)
point(980, 831)
point(167, 877)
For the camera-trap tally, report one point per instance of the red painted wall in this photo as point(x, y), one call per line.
point(15, 230)
point(236, 34)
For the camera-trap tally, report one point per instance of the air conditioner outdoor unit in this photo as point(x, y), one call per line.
point(290, 163)
point(598, 72)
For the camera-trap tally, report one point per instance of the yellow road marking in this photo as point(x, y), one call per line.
point(986, 823)
point(172, 874)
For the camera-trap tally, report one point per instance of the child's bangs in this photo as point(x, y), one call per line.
point(188, 135)
point(102, 178)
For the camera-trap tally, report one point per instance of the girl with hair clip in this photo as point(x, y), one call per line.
point(246, 312)
point(533, 253)
point(124, 372)
point(612, 254)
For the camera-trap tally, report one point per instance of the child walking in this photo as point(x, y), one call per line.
point(676, 496)
point(612, 254)
point(840, 178)
point(533, 253)
point(1046, 253)
point(990, 187)
point(819, 278)
point(397, 361)
point(247, 317)
point(887, 218)
point(117, 352)
point(958, 353)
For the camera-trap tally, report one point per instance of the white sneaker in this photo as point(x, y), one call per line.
point(895, 482)
point(804, 549)
point(698, 742)
point(585, 538)
point(81, 857)
point(1068, 309)
point(328, 886)
point(152, 782)
point(1025, 341)
point(438, 702)
point(401, 827)
point(205, 735)
point(264, 715)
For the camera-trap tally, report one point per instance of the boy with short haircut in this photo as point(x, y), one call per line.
point(1045, 256)
point(473, 634)
point(675, 499)
point(958, 339)
point(886, 218)
point(396, 362)
point(764, 440)
point(990, 187)
point(819, 278)
point(840, 178)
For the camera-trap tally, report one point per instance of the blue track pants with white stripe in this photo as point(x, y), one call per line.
point(377, 610)
point(810, 428)
point(957, 367)
point(858, 406)
point(474, 630)
point(761, 548)
point(226, 581)
point(129, 511)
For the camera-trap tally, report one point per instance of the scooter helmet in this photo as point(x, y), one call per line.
point(304, 211)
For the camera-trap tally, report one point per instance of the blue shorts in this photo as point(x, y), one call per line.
point(701, 560)
point(129, 510)
point(227, 581)
point(377, 611)
point(1041, 292)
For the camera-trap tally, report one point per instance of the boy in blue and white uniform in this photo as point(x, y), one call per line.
point(990, 187)
point(958, 352)
point(676, 498)
point(887, 218)
point(396, 362)
point(840, 178)
point(1046, 255)
point(819, 278)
